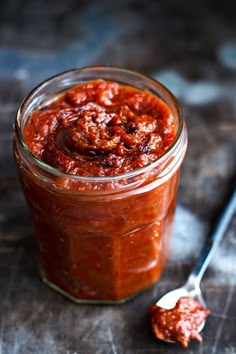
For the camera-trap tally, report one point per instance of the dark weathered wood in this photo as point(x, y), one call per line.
point(192, 49)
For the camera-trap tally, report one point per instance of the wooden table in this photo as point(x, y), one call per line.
point(192, 49)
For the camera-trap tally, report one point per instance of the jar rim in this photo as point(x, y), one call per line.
point(108, 69)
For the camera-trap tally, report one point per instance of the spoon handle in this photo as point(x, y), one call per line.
point(213, 241)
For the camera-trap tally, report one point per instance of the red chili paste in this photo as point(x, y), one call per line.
point(91, 246)
point(179, 324)
point(101, 128)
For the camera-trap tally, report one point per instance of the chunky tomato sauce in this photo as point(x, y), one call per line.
point(179, 324)
point(94, 243)
point(101, 129)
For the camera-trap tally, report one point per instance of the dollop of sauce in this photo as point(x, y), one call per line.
point(179, 324)
point(100, 128)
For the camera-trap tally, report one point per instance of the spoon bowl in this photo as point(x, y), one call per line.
point(169, 300)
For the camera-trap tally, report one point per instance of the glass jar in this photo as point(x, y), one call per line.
point(110, 238)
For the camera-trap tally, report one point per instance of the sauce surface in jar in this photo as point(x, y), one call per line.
point(101, 128)
point(103, 224)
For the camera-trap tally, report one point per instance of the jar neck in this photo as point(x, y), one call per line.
point(164, 168)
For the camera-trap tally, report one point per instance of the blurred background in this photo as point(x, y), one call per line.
point(189, 46)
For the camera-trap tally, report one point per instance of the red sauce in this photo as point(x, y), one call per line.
point(179, 324)
point(100, 247)
point(101, 129)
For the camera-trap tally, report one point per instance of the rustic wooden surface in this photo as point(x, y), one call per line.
point(190, 47)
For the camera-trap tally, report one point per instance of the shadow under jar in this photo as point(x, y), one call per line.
point(100, 238)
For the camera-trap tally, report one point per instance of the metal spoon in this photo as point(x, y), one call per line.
point(192, 285)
